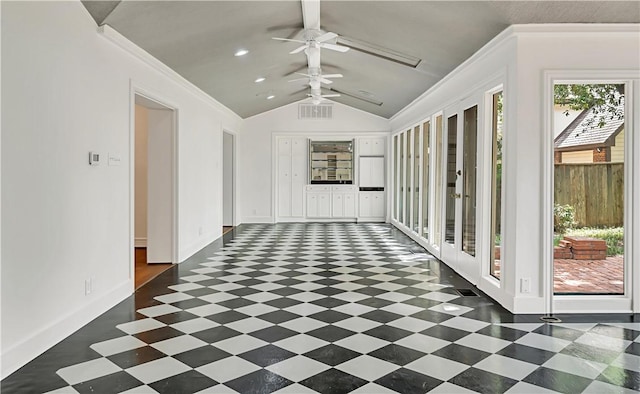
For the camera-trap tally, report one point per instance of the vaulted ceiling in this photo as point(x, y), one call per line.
point(399, 48)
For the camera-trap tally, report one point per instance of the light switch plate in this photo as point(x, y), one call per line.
point(94, 158)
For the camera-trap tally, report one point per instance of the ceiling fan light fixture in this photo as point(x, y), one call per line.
point(241, 52)
point(259, 79)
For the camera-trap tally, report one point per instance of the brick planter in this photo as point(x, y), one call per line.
point(585, 248)
point(560, 252)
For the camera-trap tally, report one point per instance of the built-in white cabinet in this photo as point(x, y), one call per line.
point(371, 171)
point(343, 202)
point(325, 201)
point(371, 206)
point(372, 146)
point(318, 201)
point(291, 168)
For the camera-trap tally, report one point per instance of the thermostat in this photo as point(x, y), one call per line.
point(94, 158)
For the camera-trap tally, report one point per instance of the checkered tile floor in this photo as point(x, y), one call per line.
point(329, 308)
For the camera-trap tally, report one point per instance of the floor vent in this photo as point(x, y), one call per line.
point(310, 111)
point(550, 319)
point(466, 292)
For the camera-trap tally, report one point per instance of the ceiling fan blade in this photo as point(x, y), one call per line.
point(326, 81)
point(326, 37)
point(288, 39)
point(334, 47)
point(298, 79)
point(304, 75)
point(298, 49)
point(330, 95)
point(331, 75)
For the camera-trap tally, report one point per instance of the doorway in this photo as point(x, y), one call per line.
point(228, 181)
point(153, 189)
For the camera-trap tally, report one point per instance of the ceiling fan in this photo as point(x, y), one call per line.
point(313, 78)
point(316, 41)
point(317, 99)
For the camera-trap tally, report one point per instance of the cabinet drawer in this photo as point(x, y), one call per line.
point(318, 188)
point(344, 188)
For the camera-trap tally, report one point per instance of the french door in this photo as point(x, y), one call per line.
point(461, 189)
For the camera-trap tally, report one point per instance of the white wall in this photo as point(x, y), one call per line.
point(254, 144)
point(63, 220)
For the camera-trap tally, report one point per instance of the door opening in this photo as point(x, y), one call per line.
point(154, 131)
point(228, 186)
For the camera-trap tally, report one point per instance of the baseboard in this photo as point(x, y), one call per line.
point(31, 347)
point(140, 242)
point(198, 244)
point(257, 219)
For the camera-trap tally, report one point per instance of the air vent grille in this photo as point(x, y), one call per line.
point(310, 111)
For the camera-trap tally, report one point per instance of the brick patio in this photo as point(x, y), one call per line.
point(589, 276)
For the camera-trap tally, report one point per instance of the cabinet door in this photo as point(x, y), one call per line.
point(284, 146)
point(324, 205)
point(377, 146)
point(349, 203)
point(312, 205)
point(337, 205)
point(284, 186)
point(298, 181)
point(371, 172)
point(364, 205)
point(377, 204)
point(364, 147)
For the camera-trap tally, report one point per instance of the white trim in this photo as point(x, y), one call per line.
point(258, 219)
point(197, 245)
point(32, 346)
point(140, 242)
point(118, 39)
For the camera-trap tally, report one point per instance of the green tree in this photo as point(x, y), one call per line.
point(605, 99)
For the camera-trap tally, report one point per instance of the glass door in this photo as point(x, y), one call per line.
point(438, 147)
point(590, 184)
point(461, 164)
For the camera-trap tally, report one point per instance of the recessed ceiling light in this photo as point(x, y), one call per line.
point(241, 52)
point(270, 97)
point(258, 80)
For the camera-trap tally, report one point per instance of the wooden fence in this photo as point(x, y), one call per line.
point(595, 190)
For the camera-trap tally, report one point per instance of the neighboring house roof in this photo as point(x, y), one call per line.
point(585, 133)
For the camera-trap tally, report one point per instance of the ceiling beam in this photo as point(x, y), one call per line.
point(311, 14)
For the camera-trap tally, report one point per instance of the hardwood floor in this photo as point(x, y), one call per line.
point(226, 229)
point(145, 272)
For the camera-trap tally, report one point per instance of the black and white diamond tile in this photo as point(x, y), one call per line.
point(336, 308)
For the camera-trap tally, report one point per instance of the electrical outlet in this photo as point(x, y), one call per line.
point(525, 285)
point(200, 230)
point(87, 287)
point(255, 211)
